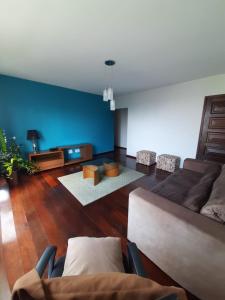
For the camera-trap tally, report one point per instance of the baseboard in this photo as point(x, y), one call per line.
point(104, 153)
point(121, 147)
point(131, 156)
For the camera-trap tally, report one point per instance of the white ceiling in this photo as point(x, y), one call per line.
point(154, 42)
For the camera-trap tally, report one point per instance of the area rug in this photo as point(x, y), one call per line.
point(86, 192)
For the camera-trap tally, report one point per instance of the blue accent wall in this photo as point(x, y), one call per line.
point(62, 116)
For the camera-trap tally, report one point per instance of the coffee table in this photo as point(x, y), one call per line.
point(97, 162)
point(97, 168)
point(91, 171)
point(111, 169)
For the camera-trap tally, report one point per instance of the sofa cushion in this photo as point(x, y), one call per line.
point(86, 255)
point(199, 193)
point(215, 206)
point(176, 186)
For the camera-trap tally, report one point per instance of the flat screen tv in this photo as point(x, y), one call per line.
point(72, 154)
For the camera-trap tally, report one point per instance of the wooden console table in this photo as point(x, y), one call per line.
point(46, 160)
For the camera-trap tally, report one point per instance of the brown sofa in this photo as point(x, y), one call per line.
point(192, 185)
point(166, 225)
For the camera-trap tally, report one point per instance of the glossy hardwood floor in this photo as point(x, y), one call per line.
point(40, 211)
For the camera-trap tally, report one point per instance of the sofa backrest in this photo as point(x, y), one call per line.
point(199, 166)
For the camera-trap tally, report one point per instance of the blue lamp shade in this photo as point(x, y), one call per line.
point(32, 135)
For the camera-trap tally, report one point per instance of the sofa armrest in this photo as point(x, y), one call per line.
point(179, 241)
point(196, 165)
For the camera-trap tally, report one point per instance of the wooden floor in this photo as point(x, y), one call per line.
point(40, 211)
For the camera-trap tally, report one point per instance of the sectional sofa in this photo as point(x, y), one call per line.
point(170, 226)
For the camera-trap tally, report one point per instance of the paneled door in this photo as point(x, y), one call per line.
point(211, 144)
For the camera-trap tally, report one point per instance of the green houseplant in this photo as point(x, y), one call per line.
point(11, 160)
point(4, 156)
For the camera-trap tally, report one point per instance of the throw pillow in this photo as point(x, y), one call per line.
point(199, 193)
point(87, 255)
point(215, 207)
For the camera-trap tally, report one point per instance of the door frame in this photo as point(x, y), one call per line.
point(204, 126)
point(115, 127)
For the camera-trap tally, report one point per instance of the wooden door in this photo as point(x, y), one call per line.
point(211, 144)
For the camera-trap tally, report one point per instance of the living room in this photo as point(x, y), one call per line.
point(112, 128)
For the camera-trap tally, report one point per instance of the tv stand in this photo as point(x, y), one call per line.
point(46, 160)
point(85, 151)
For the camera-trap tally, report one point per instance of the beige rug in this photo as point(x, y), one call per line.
point(86, 192)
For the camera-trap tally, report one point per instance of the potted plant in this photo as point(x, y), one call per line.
point(4, 156)
point(11, 160)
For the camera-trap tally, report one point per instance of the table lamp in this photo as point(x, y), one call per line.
point(33, 136)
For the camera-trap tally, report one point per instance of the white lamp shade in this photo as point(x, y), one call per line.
point(112, 104)
point(105, 95)
point(110, 94)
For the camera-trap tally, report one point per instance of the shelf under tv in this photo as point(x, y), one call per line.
point(75, 161)
point(86, 153)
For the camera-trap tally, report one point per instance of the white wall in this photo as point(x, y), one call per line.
point(167, 119)
point(121, 127)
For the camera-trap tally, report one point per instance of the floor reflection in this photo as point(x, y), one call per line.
point(8, 227)
point(4, 195)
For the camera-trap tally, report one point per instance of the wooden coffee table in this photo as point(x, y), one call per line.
point(91, 171)
point(112, 169)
